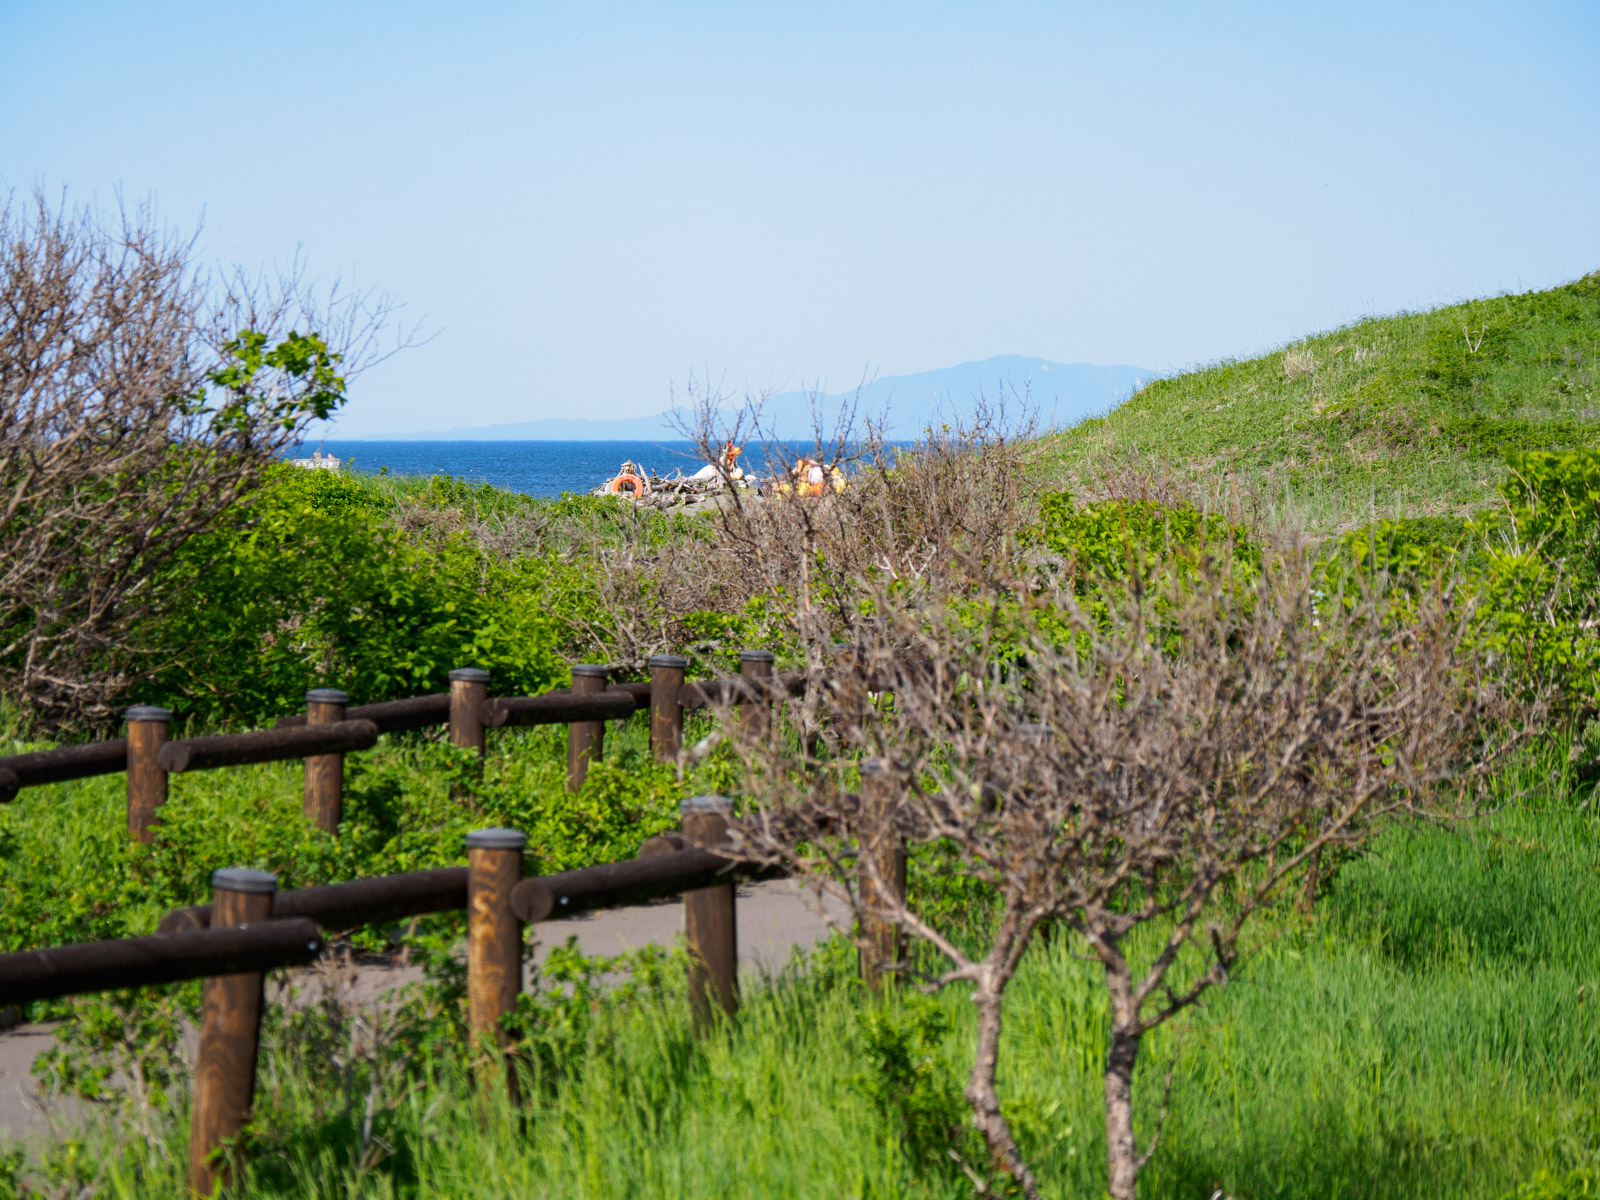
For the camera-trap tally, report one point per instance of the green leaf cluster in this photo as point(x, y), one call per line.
point(287, 384)
point(1138, 541)
point(1544, 559)
point(1120, 539)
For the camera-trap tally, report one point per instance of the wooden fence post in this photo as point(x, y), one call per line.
point(230, 1028)
point(494, 946)
point(469, 688)
point(666, 714)
point(882, 872)
point(325, 772)
point(756, 715)
point(149, 728)
point(585, 739)
point(710, 919)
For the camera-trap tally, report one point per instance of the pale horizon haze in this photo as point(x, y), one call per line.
point(585, 204)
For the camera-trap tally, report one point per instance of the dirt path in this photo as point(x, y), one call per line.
point(773, 920)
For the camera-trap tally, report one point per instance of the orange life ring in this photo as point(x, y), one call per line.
point(627, 484)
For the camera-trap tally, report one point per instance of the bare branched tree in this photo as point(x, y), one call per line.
point(918, 516)
point(1146, 757)
point(139, 399)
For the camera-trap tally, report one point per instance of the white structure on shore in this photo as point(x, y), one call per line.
point(317, 462)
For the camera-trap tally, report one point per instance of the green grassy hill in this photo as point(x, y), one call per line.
point(1407, 415)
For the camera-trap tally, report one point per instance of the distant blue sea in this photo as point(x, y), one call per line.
point(536, 468)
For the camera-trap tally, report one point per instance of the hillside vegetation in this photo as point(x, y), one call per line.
point(1411, 415)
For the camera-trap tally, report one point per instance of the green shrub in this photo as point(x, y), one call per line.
point(1543, 551)
point(312, 583)
point(911, 1082)
point(1410, 548)
point(1110, 551)
point(1528, 569)
point(1113, 539)
point(1553, 503)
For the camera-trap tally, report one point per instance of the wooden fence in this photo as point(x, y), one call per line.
point(250, 927)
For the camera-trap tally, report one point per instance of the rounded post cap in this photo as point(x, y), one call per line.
point(147, 712)
point(497, 839)
point(760, 656)
point(707, 803)
point(243, 879)
point(469, 675)
point(590, 670)
point(327, 696)
point(667, 660)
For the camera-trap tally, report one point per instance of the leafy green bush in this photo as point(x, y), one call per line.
point(1408, 549)
point(1544, 553)
point(1529, 569)
point(1553, 503)
point(1113, 539)
point(1110, 551)
point(911, 1082)
point(312, 583)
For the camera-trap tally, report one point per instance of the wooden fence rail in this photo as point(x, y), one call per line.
point(68, 762)
point(557, 708)
point(266, 745)
point(329, 729)
point(348, 905)
point(135, 962)
point(391, 716)
point(632, 881)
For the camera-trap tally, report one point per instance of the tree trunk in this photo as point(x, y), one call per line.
point(985, 1100)
point(1313, 869)
point(1122, 1152)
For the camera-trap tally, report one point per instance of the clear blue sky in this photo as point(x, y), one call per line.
point(588, 201)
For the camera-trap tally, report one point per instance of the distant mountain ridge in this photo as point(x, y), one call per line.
point(1059, 394)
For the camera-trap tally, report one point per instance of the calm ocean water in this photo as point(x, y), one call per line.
point(536, 468)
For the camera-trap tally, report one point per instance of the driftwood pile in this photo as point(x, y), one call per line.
point(647, 489)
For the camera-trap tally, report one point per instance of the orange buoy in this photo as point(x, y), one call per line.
point(627, 484)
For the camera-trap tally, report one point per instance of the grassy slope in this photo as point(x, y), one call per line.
point(1409, 415)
